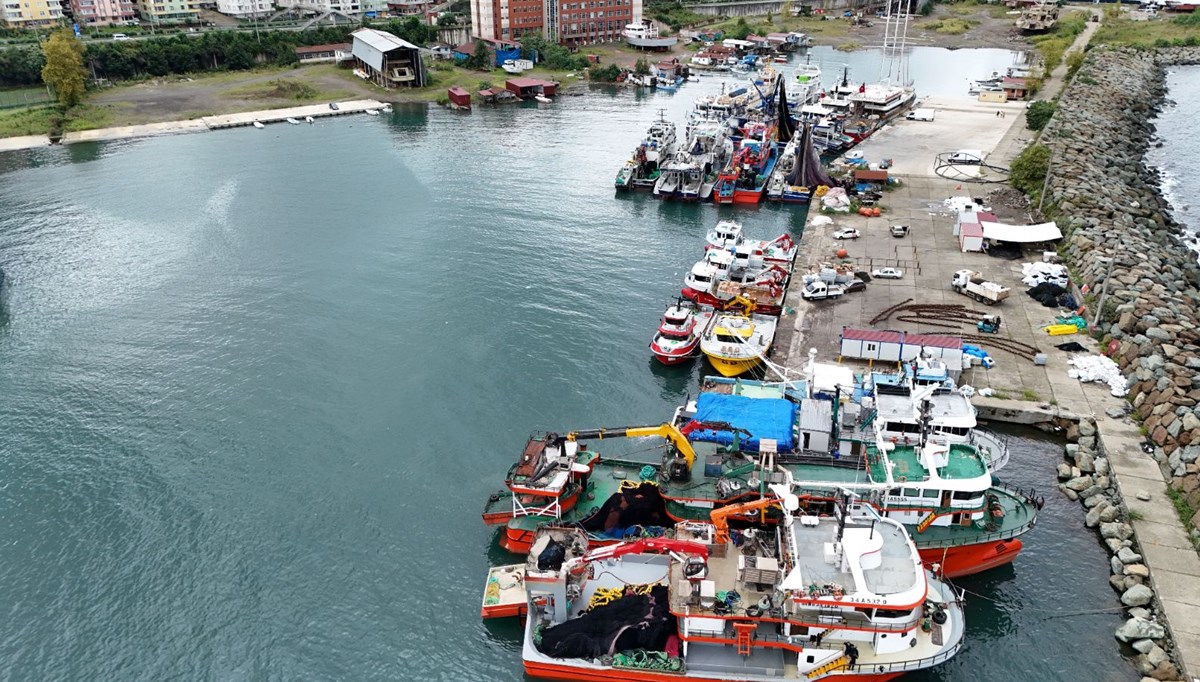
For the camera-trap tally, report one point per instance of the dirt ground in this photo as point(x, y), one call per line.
point(168, 99)
point(987, 30)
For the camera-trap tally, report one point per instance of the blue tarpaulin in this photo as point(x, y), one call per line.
point(762, 417)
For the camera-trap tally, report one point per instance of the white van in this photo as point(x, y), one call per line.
point(966, 156)
point(120, 36)
point(920, 115)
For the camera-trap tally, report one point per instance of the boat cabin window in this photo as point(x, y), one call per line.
point(727, 338)
point(967, 495)
point(954, 430)
point(893, 613)
point(894, 492)
point(901, 427)
point(912, 492)
point(931, 494)
point(702, 278)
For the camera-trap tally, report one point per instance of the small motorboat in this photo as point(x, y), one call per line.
point(679, 332)
point(387, 108)
point(309, 119)
point(258, 124)
point(543, 99)
point(293, 121)
point(372, 112)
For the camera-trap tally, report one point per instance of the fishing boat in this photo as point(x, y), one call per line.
point(728, 235)
point(840, 597)
point(873, 105)
point(544, 481)
point(690, 173)
point(372, 112)
point(746, 177)
point(736, 343)
point(808, 83)
point(644, 34)
point(258, 124)
point(642, 171)
point(799, 172)
point(943, 492)
point(678, 337)
point(293, 121)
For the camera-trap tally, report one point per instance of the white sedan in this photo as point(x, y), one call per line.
point(847, 233)
point(887, 273)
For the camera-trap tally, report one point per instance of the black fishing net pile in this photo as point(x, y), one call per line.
point(640, 506)
point(1046, 293)
point(634, 621)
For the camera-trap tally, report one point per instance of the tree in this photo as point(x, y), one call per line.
point(1038, 114)
point(641, 67)
point(1029, 169)
point(740, 30)
point(481, 59)
point(64, 71)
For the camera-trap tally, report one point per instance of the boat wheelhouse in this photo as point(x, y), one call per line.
point(678, 337)
point(736, 343)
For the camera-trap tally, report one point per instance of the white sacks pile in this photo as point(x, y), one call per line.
point(1099, 368)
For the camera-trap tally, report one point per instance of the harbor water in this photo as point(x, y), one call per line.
point(257, 385)
point(1180, 177)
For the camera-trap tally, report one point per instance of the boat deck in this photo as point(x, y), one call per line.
point(962, 463)
point(896, 571)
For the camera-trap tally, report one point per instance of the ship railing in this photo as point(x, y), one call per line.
point(827, 621)
point(994, 536)
point(994, 445)
point(903, 666)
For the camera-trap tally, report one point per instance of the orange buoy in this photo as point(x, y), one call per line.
point(876, 212)
point(842, 253)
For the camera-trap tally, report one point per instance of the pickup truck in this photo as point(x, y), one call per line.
point(970, 283)
point(818, 291)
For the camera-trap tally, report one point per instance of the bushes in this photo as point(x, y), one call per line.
point(604, 74)
point(1038, 114)
point(1029, 169)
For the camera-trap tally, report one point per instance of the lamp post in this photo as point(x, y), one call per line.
point(1103, 290)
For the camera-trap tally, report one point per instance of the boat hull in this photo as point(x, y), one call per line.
point(705, 298)
point(747, 196)
point(559, 671)
point(495, 518)
point(680, 355)
point(971, 559)
point(732, 367)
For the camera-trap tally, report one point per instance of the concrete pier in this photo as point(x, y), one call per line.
point(357, 106)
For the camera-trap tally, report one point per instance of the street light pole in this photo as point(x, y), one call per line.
point(1103, 291)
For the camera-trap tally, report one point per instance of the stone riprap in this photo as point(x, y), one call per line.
point(1111, 207)
point(1085, 476)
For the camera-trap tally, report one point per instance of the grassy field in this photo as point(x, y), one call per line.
point(17, 122)
point(949, 26)
point(1161, 32)
point(968, 7)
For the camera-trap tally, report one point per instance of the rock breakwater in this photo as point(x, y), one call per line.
point(1119, 227)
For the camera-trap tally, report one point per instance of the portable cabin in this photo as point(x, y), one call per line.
point(459, 97)
point(871, 344)
point(970, 237)
point(948, 349)
point(1015, 88)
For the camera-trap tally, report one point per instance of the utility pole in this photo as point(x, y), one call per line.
point(1045, 182)
point(1103, 291)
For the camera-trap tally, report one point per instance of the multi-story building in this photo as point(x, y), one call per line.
point(102, 12)
point(349, 7)
point(570, 22)
point(593, 21)
point(22, 13)
point(245, 8)
point(166, 11)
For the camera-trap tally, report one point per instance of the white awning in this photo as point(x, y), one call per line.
point(1044, 232)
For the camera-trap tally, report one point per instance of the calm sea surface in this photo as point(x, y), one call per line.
point(1176, 129)
point(255, 386)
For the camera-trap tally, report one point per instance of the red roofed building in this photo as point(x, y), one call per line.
point(1015, 88)
point(315, 54)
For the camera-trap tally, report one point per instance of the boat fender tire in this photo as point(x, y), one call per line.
point(940, 617)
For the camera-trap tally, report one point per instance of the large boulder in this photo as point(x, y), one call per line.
point(1138, 628)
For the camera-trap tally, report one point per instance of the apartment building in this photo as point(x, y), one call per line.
point(570, 23)
point(28, 13)
point(246, 8)
point(166, 11)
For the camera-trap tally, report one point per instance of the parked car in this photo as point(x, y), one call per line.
point(120, 36)
point(899, 230)
point(887, 273)
point(856, 285)
point(966, 157)
point(847, 233)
